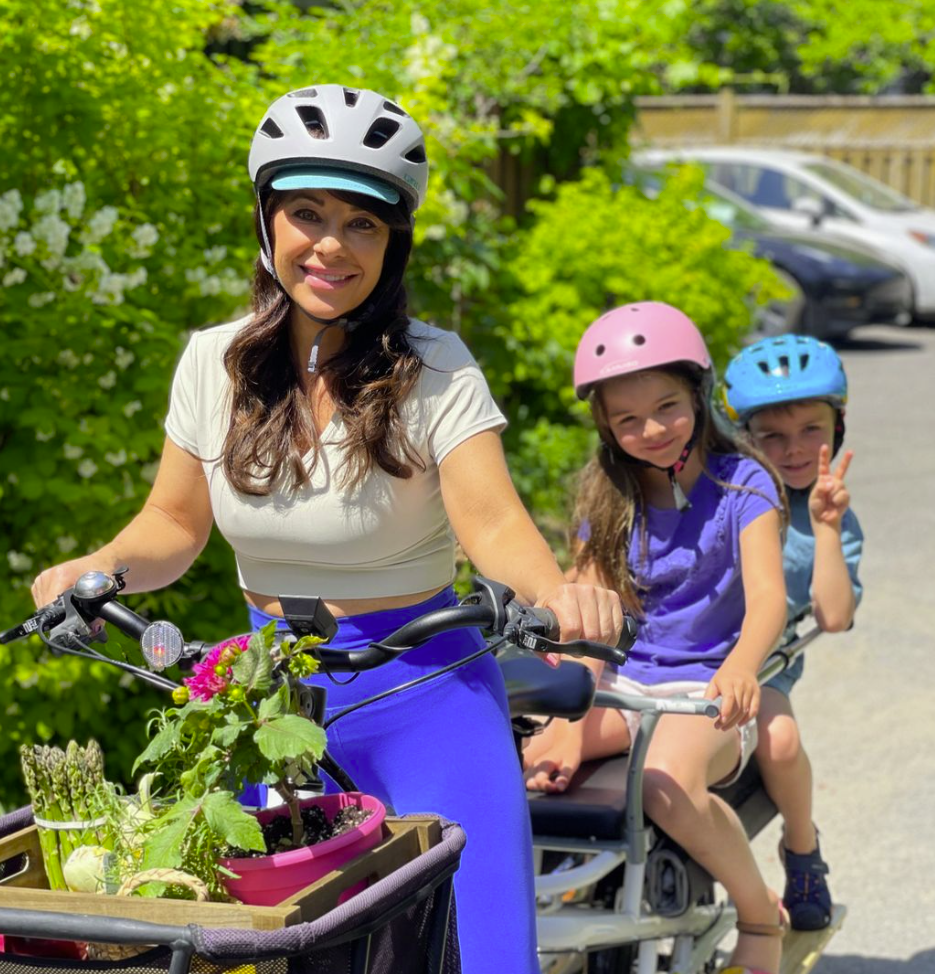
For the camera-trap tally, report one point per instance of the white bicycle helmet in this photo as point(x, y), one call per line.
point(332, 137)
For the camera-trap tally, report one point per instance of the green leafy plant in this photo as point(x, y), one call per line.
point(239, 719)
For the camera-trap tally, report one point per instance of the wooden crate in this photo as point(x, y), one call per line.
point(25, 887)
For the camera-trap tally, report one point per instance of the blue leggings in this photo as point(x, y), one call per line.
point(444, 747)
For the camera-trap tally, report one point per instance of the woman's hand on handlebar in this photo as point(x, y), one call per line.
point(49, 584)
point(585, 612)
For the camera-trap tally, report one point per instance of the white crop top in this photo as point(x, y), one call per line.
point(386, 537)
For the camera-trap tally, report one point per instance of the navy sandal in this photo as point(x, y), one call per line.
point(806, 896)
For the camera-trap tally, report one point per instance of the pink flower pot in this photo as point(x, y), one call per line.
point(268, 880)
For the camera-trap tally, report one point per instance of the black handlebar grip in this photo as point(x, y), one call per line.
point(126, 620)
point(548, 619)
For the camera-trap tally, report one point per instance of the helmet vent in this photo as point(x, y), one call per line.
point(416, 155)
point(764, 368)
point(803, 362)
point(600, 350)
point(639, 339)
point(271, 129)
point(304, 93)
point(784, 365)
point(313, 120)
point(350, 97)
point(382, 130)
point(391, 106)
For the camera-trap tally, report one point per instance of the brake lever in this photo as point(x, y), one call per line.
point(532, 628)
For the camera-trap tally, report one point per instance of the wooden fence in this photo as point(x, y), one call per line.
point(890, 137)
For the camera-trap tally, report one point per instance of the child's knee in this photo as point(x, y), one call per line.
point(670, 793)
point(779, 741)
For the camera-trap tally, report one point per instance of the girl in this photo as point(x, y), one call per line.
point(686, 525)
point(341, 446)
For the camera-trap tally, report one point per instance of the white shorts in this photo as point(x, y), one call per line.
point(619, 683)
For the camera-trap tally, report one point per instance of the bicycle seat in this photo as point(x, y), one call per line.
point(535, 688)
point(595, 803)
point(593, 807)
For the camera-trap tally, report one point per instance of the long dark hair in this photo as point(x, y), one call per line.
point(610, 498)
point(271, 427)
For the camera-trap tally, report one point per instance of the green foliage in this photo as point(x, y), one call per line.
point(123, 224)
point(817, 46)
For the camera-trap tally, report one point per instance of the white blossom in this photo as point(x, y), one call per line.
point(108, 380)
point(123, 358)
point(145, 235)
point(40, 299)
point(48, 202)
point(5, 394)
point(148, 472)
point(60, 168)
point(132, 407)
point(73, 452)
point(80, 28)
point(100, 225)
point(66, 543)
point(53, 231)
point(135, 279)
point(15, 276)
point(214, 228)
point(116, 459)
point(24, 244)
point(44, 437)
point(11, 205)
point(73, 199)
point(18, 561)
point(214, 255)
point(67, 358)
point(110, 289)
point(88, 260)
point(87, 468)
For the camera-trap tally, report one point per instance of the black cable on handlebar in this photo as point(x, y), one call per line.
point(489, 648)
point(164, 683)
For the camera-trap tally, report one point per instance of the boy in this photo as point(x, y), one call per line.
point(789, 394)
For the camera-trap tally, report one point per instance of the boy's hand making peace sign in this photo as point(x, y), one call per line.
point(829, 498)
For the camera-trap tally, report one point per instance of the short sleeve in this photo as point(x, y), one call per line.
point(852, 546)
point(182, 419)
point(456, 399)
point(756, 492)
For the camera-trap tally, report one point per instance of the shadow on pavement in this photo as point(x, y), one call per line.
point(922, 963)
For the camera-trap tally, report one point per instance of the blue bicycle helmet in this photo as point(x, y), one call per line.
point(785, 369)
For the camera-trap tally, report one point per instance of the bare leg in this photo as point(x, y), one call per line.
point(687, 755)
point(786, 770)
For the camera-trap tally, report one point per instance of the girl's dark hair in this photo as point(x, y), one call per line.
point(271, 428)
point(610, 499)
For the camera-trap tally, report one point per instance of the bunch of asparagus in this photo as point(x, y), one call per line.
point(64, 787)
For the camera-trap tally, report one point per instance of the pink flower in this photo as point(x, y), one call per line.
point(206, 683)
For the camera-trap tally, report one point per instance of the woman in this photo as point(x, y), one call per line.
point(341, 447)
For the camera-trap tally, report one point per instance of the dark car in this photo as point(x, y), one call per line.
point(841, 285)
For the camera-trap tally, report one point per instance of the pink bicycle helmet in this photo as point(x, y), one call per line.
point(635, 337)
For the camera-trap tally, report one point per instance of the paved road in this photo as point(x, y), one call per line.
point(867, 702)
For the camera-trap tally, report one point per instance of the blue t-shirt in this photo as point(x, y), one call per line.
point(689, 574)
point(798, 556)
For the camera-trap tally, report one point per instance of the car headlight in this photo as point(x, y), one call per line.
point(923, 237)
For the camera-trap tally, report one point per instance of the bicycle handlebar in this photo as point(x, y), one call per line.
point(491, 607)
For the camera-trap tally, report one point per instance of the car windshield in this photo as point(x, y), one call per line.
point(732, 212)
point(862, 188)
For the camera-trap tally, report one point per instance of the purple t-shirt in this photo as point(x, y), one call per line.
point(690, 575)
